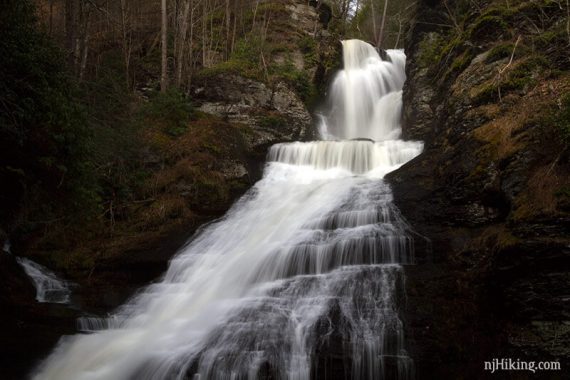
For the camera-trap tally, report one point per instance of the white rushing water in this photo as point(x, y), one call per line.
point(366, 97)
point(7, 247)
point(49, 287)
point(303, 274)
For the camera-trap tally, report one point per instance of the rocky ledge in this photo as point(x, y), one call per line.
point(273, 114)
point(487, 90)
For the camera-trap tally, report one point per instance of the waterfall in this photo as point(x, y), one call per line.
point(49, 287)
point(366, 96)
point(7, 247)
point(302, 277)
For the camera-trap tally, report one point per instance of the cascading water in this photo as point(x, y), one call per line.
point(49, 287)
point(302, 278)
point(366, 97)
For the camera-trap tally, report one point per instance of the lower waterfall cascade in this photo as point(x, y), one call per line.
point(303, 278)
point(49, 287)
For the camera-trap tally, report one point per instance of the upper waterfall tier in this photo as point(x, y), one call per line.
point(365, 99)
point(357, 156)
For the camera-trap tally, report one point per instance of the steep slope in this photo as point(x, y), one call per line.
point(193, 165)
point(488, 91)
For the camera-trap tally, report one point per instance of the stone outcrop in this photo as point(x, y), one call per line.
point(490, 191)
point(274, 103)
point(273, 114)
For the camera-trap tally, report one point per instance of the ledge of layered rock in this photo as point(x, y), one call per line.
point(274, 114)
point(488, 192)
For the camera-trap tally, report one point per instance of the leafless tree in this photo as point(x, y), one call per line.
point(164, 48)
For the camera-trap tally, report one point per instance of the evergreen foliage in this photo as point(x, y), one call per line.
point(45, 142)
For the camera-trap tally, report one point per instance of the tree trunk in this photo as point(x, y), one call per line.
point(164, 59)
point(233, 41)
point(254, 15)
point(182, 42)
point(228, 28)
point(126, 39)
point(71, 20)
point(374, 27)
point(191, 45)
point(399, 31)
point(381, 36)
point(204, 47)
point(85, 43)
point(50, 18)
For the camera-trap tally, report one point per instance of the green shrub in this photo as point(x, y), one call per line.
point(298, 79)
point(245, 60)
point(272, 121)
point(308, 47)
point(170, 109)
point(45, 141)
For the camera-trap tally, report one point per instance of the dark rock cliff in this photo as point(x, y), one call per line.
point(487, 90)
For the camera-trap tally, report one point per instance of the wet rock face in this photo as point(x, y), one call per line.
point(274, 114)
point(487, 192)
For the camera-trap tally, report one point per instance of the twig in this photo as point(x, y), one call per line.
point(555, 161)
point(501, 71)
point(452, 16)
point(264, 67)
point(97, 7)
point(512, 56)
point(568, 20)
point(143, 200)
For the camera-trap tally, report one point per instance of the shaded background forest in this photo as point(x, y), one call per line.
point(96, 95)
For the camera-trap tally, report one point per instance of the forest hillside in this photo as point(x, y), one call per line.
point(127, 126)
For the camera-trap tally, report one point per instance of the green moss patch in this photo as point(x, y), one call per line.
point(488, 28)
point(430, 49)
point(520, 76)
point(504, 50)
point(559, 117)
point(440, 51)
point(272, 121)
